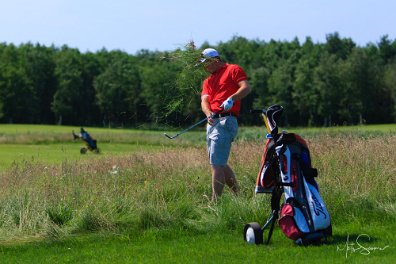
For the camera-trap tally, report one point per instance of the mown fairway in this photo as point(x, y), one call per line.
point(145, 198)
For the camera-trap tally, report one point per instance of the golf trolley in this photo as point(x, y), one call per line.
point(286, 171)
point(90, 143)
point(253, 232)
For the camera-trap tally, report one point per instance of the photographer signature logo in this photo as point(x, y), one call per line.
point(357, 247)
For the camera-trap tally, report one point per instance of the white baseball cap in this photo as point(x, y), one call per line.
point(208, 54)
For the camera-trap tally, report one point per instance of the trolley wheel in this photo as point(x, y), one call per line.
point(83, 150)
point(253, 234)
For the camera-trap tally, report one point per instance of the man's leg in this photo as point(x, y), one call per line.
point(222, 175)
point(218, 181)
point(219, 139)
point(230, 179)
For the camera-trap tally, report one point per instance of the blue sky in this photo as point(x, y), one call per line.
point(90, 25)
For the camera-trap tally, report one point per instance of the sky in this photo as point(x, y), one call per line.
point(166, 25)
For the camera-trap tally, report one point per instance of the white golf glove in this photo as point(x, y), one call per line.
point(227, 104)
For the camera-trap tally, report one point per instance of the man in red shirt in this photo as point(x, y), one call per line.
point(220, 102)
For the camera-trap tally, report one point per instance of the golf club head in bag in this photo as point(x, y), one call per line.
point(272, 118)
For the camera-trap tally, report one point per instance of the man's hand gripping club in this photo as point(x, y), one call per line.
point(226, 105)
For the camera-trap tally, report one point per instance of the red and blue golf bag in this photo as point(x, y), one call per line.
point(303, 215)
point(286, 171)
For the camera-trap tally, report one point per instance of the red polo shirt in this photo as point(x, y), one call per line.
point(222, 84)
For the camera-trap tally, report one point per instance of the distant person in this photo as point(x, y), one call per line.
point(89, 141)
point(220, 102)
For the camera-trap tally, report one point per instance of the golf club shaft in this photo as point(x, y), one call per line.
point(191, 127)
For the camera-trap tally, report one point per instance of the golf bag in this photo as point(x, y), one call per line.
point(303, 215)
point(286, 170)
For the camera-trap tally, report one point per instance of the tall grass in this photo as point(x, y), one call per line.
point(170, 189)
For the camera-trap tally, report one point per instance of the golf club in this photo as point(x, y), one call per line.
point(185, 130)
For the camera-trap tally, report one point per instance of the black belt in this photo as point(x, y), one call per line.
point(222, 115)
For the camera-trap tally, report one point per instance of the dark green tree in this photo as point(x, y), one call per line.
point(280, 86)
point(118, 92)
point(338, 46)
point(328, 82)
point(390, 84)
point(39, 65)
point(17, 96)
point(364, 77)
point(68, 99)
point(387, 51)
point(158, 89)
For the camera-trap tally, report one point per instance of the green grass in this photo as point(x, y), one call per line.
point(55, 144)
point(162, 246)
point(54, 153)
point(145, 198)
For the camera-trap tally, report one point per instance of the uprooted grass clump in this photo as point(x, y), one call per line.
point(170, 189)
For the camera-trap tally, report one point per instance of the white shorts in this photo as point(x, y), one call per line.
point(219, 138)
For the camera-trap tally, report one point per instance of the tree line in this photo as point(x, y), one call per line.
point(319, 84)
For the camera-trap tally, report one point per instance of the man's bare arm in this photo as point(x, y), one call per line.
point(243, 91)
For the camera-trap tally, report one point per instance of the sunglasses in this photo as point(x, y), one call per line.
point(208, 61)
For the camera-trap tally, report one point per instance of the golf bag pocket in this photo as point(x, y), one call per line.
point(292, 222)
point(266, 179)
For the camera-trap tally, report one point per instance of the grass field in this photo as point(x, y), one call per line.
point(145, 198)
